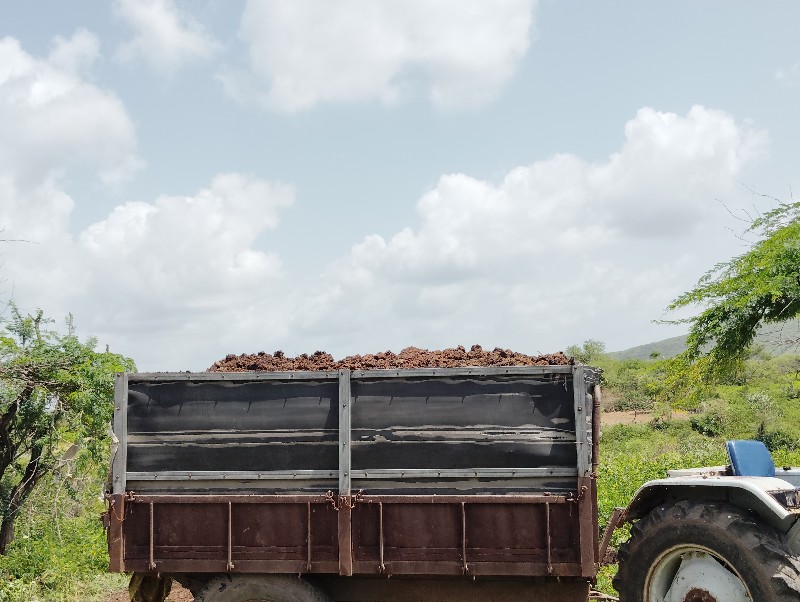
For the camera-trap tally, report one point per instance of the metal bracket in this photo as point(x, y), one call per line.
point(617, 518)
point(344, 501)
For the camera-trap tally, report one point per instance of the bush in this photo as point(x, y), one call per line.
point(777, 440)
point(709, 424)
point(59, 553)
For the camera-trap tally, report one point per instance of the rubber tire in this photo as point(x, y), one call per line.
point(259, 588)
point(754, 550)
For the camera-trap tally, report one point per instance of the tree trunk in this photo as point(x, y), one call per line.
point(6, 532)
point(19, 494)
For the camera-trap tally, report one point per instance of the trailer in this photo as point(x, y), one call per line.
point(396, 485)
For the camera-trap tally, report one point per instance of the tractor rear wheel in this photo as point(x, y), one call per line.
point(694, 551)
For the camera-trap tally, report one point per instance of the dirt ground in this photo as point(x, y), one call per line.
point(410, 357)
point(178, 594)
point(611, 418)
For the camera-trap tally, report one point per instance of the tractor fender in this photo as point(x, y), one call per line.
point(752, 494)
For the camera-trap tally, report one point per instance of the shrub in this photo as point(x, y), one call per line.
point(709, 424)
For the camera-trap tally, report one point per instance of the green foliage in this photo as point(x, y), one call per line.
point(56, 398)
point(761, 286)
point(777, 439)
point(709, 424)
point(761, 404)
point(59, 553)
point(604, 577)
point(633, 384)
point(588, 353)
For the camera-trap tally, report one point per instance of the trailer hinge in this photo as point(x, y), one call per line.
point(106, 516)
point(344, 501)
point(571, 497)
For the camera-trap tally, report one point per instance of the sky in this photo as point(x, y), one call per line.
point(193, 179)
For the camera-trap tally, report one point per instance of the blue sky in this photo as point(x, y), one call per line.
point(202, 178)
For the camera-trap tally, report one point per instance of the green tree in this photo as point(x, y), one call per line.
point(56, 401)
point(587, 353)
point(761, 286)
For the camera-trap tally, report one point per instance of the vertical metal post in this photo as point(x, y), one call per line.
point(230, 537)
point(308, 538)
point(345, 509)
point(549, 544)
point(581, 413)
point(597, 402)
point(380, 535)
point(345, 410)
point(586, 500)
point(465, 566)
point(120, 428)
point(152, 560)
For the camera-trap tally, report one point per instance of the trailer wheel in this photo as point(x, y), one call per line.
point(705, 552)
point(259, 588)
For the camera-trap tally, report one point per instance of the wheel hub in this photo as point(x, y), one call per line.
point(702, 578)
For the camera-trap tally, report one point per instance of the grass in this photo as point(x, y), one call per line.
point(59, 551)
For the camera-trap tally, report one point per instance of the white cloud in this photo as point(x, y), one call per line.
point(194, 249)
point(528, 262)
point(526, 256)
point(662, 182)
point(166, 275)
point(155, 278)
point(672, 168)
point(165, 36)
point(75, 54)
point(54, 124)
point(459, 53)
point(53, 118)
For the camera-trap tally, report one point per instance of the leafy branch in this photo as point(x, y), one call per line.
point(761, 286)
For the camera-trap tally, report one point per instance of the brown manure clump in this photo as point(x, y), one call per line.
point(410, 357)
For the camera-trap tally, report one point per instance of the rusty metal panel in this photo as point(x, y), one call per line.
point(533, 536)
point(588, 535)
point(193, 565)
point(536, 539)
point(220, 536)
point(345, 541)
point(115, 519)
point(511, 533)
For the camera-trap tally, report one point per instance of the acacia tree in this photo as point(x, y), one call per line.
point(56, 397)
point(588, 352)
point(761, 286)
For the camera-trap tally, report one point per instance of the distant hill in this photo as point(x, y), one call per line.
point(772, 338)
point(666, 348)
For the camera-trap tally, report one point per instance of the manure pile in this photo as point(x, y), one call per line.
point(410, 357)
